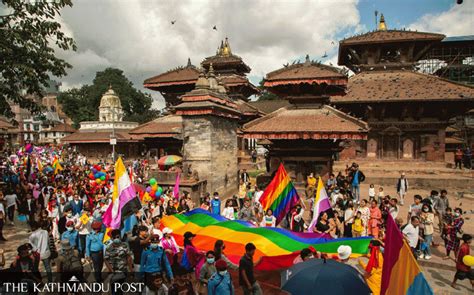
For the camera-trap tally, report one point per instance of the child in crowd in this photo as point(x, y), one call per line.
point(380, 195)
point(357, 225)
point(372, 192)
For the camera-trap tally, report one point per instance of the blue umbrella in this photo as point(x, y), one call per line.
point(318, 276)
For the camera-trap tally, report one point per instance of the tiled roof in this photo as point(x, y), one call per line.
point(97, 137)
point(170, 124)
point(63, 128)
point(401, 85)
point(391, 36)
point(247, 108)
point(292, 123)
point(268, 106)
point(219, 61)
point(306, 70)
point(187, 74)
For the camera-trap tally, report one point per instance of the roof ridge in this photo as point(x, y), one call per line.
point(344, 114)
point(265, 117)
point(391, 30)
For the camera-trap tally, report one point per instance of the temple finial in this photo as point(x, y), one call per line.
point(189, 62)
point(382, 24)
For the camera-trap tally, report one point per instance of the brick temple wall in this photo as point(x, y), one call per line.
point(210, 146)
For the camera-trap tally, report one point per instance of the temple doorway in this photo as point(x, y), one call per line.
point(391, 143)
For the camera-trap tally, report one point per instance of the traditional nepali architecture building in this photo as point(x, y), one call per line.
point(407, 111)
point(93, 138)
point(230, 70)
point(210, 124)
point(306, 134)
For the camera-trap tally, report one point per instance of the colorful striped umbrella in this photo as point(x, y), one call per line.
point(169, 160)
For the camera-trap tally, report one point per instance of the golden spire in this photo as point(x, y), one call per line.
point(382, 24)
point(226, 49)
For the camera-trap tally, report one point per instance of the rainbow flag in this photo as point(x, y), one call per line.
point(280, 195)
point(56, 165)
point(124, 199)
point(277, 246)
point(401, 274)
point(321, 204)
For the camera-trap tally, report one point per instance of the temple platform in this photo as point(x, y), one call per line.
point(420, 174)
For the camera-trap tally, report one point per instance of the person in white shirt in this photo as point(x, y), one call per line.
point(39, 239)
point(412, 233)
point(11, 199)
point(371, 192)
point(228, 211)
point(393, 210)
point(268, 220)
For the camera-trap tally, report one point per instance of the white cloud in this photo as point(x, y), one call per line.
point(137, 36)
point(457, 21)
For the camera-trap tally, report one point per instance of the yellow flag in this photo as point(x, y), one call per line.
point(84, 218)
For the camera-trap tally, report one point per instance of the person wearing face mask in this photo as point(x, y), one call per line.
point(71, 235)
point(427, 219)
point(66, 216)
point(206, 271)
point(221, 282)
point(154, 262)
point(453, 232)
point(95, 249)
point(118, 260)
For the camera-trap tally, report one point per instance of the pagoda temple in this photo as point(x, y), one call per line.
point(229, 68)
point(407, 111)
point(307, 133)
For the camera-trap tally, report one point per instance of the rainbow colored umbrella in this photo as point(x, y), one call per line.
point(168, 160)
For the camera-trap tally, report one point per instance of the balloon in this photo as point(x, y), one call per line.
point(157, 194)
point(148, 189)
point(94, 170)
point(102, 177)
point(152, 181)
point(160, 189)
point(91, 176)
point(154, 187)
point(98, 180)
point(468, 260)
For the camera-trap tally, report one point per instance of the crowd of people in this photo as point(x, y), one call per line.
point(64, 207)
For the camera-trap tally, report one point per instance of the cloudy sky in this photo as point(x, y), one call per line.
point(137, 35)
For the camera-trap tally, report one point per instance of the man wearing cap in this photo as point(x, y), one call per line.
point(344, 253)
point(95, 249)
point(118, 259)
point(71, 235)
point(402, 187)
point(221, 282)
point(154, 262)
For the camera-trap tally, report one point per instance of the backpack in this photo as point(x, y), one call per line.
point(72, 262)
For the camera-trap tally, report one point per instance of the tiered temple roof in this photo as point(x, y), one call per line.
point(208, 98)
point(229, 68)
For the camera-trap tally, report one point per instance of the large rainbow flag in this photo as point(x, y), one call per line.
point(56, 165)
point(401, 274)
point(124, 199)
point(280, 195)
point(277, 246)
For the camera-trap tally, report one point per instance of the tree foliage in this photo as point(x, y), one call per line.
point(29, 33)
point(82, 104)
point(265, 94)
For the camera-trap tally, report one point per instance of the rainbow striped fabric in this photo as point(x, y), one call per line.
point(280, 195)
point(56, 165)
point(278, 246)
point(401, 274)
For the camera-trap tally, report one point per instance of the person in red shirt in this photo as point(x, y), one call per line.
point(463, 271)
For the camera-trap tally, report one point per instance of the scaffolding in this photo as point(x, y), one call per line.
point(452, 59)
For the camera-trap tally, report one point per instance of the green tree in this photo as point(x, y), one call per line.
point(265, 94)
point(29, 33)
point(83, 104)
